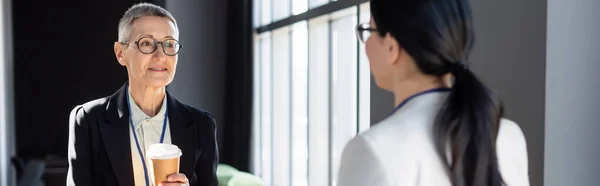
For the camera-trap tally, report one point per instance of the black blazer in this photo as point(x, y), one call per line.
point(100, 152)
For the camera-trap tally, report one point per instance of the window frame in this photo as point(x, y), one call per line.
point(331, 11)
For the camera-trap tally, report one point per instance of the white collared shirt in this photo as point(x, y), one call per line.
point(400, 150)
point(148, 131)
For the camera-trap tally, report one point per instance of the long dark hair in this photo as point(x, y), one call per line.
point(438, 34)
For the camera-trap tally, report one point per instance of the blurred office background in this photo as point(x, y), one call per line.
point(289, 83)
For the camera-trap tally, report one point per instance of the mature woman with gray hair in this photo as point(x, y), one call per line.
point(109, 137)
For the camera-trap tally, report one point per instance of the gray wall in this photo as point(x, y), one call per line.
point(573, 93)
point(200, 77)
point(509, 56)
point(382, 103)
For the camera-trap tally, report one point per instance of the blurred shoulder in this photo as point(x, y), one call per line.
point(90, 109)
point(510, 134)
point(511, 148)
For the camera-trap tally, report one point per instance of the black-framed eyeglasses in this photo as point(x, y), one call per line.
point(363, 31)
point(148, 45)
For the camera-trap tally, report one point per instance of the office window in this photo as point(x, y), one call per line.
point(256, 93)
point(364, 77)
point(344, 96)
point(300, 104)
point(265, 9)
point(318, 101)
point(265, 111)
point(299, 6)
point(316, 3)
point(256, 16)
point(281, 125)
point(280, 9)
point(313, 90)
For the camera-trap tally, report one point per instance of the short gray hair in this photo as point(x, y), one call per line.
point(140, 10)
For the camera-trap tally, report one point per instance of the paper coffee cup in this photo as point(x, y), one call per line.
point(165, 161)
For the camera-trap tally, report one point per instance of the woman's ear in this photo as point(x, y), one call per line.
point(118, 47)
point(394, 50)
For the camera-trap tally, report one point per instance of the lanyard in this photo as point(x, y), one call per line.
point(162, 136)
point(418, 94)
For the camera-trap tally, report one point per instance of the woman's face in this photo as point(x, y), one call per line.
point(155, 69)
point(378, 52)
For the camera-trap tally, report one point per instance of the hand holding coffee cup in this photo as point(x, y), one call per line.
point(165, 163)
point(175, 180)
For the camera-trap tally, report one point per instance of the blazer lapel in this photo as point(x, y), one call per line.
point(183, 134)
point(114, 132)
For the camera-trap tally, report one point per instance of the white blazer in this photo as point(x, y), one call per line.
point(400, 151)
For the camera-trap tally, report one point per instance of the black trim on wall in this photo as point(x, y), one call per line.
point(237, 126)
point(311, 13)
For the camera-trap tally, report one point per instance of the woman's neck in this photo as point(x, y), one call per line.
point(149, 99)
point(404, 89)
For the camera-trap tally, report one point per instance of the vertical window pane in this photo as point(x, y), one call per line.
point(281, 9)
point(256, 124)
point(299, 104)
point(281, 107)
point(364, 77)
point(344, 87)
point(316, 3)
point(256, 5)
point(299, 6)
point(318, 102)
point(265, 16)
point(265, 110)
